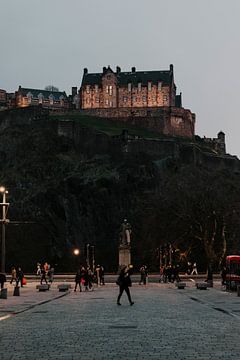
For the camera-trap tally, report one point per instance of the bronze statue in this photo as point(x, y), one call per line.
point(125, 233)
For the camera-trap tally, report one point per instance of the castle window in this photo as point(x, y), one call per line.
point(144, 99)
point(107, 89)
point(110, 89)
point(129, 87)
point(125, 99)
point(106, 102)
point(29, 97)
point(97, 100)
point(88, 89)
point(51, 97)
point(110, 103)
point(40, 98)
point(149, 86)
point(139, 87)
point(159, 86)
point(96, 88)
point(165, 98)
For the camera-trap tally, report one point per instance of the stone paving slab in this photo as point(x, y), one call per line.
point(164, 323)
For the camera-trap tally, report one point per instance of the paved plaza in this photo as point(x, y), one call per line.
point(164, 323)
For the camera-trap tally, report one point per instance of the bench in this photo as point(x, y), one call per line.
point(43, 287)
point(64, 287)
point(202, 286)
point(180, 285)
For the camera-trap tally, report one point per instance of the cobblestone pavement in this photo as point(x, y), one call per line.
point(164, 323)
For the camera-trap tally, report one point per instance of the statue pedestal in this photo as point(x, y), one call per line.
point(124, 255)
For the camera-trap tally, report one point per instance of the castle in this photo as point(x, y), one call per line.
point(145, 98)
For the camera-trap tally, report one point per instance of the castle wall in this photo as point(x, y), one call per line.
point(169, 121)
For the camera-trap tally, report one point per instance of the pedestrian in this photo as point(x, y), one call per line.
point(143, 273)
point(38, 269)
point(101, 275)
point(43, 275)
point(97, 273)
point(78, 279)
point(50, 274)
point(189, 268)
point(3, 279)
point(20, 276)
point(124, 282)
point(161, 274)
point(194, 270)
point(13, 275)
point(223, 275)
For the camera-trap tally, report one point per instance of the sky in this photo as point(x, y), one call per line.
point(51, 41)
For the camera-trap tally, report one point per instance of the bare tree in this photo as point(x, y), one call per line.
point(51, 88)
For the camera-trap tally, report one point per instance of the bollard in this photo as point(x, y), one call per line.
point(16, 291)
point(238, 290)
point(3, 294)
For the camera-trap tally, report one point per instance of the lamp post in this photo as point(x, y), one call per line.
point(4, 221)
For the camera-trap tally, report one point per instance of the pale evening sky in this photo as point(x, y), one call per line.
point(51, 41)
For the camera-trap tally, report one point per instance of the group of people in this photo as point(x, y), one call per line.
point(169, 274)
point(46, 272)
point(85, 278)
point(17, 276)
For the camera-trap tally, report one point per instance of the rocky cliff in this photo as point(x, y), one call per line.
point(73, 185)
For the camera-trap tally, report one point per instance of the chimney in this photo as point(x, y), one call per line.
point(74, 91)
point(133, 69)
point(118, 69)
point(104, 69)
point(171, 68)
point(85, 71)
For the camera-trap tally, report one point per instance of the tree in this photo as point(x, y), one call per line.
point(51, 88)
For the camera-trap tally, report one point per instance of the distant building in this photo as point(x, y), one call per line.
point(53, 100)
point(217, 144)
point(3, 98)
point(146, 98)
point(128, 89)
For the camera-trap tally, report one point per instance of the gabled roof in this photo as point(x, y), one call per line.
point(45, 93)
point(123, 78)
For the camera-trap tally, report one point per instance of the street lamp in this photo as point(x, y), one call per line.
point(76, 252)
point(4, 221)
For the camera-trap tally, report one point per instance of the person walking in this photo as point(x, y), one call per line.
point(124, 282)
point(194, 270)
point(13, 275)
point(101, 275)
point(43, 275)
point(143, 273)
point(20, 276)
point(78, 279)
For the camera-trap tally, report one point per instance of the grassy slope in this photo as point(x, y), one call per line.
point(110, 127)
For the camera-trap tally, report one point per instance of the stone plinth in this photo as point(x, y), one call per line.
point(124, 255)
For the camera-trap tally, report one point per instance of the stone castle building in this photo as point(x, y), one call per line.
point(146, 98)
point(53, 100)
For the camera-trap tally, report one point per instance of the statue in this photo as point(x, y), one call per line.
point(125, 233)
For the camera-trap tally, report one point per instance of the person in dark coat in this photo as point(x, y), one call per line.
point(124, 281)
point(78, 279)
point(20, 276)
point(3, 279)
point(43, 275)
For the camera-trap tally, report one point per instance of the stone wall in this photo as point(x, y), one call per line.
point(166, 120)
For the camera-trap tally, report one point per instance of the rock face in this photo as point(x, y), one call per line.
point(70, 186)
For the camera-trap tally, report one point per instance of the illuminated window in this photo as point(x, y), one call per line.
point(149, 86)
point(129, 87)
point(40, 98)
point(110, 103)
point(144, 99)
point(88, 89)
point(125, 99)
point(97, 100)
point(159, 86)
point(29, 97)
point(110, 89)
point(106, 102)
point(139, 87)
point(51, 98)
point(96, 88)
point(107, 89)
